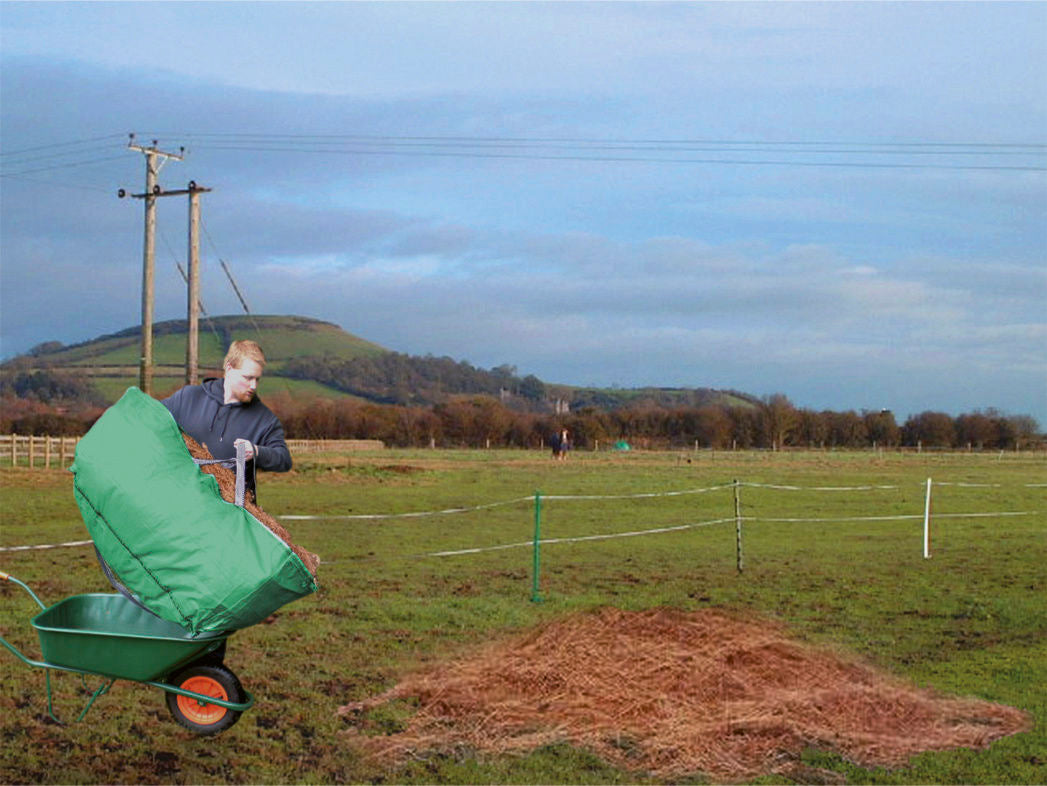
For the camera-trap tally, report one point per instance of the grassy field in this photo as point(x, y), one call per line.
point(970, 621)
point(275, 386)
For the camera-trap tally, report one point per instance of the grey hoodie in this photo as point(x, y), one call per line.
point(201, 413)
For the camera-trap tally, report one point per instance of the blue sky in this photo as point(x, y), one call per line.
point(842, 202)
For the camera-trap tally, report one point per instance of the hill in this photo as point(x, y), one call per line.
point(308, 358)
point(110, 362)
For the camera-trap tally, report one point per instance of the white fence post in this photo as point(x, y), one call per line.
point(927, 523)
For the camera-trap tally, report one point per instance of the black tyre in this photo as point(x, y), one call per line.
point(208, 680)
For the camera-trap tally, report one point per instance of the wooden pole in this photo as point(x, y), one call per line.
point(145, 369)
point(192, 342)
point(192, 280)
point(153, 158)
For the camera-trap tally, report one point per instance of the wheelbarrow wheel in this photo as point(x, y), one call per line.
point(209, 680)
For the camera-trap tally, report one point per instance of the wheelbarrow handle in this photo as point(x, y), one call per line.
point(8, 577)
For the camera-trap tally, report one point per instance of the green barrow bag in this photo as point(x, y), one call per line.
point(162, 526)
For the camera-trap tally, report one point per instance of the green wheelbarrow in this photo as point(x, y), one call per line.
point(108, 635)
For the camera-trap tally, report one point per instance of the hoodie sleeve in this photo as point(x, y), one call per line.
point(174, 404)
point(271, 451)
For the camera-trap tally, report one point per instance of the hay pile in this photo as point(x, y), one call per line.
point(673, 693)
point(227, 485)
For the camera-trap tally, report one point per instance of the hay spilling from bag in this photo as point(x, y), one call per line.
point(673, 693)
point(227, 485)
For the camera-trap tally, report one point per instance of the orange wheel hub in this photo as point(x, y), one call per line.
point(193, 709)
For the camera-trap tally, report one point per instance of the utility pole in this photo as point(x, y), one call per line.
point(192, 343)
point(192, 280)
point(154, 161)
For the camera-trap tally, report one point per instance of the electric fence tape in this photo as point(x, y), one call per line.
point(578, 539)
point(419, 514)
point(642, 495)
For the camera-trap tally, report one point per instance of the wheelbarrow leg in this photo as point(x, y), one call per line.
point(101, 691)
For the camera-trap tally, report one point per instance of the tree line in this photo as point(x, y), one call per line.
point(47, 402)
point(772, 423)
point(409, 380)
point(395, 378)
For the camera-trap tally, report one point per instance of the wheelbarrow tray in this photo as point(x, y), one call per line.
point(107, 634)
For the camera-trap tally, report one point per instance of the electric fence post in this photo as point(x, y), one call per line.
point(535, 597)
point(738, 523)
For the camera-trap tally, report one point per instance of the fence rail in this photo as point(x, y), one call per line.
point(37, 451)
point(44, 452)
point(319, 445)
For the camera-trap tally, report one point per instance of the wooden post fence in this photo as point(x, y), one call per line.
point(37, 452)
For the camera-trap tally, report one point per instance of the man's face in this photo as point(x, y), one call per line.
point(241, 383)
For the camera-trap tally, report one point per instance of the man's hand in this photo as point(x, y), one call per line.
point(248, 448)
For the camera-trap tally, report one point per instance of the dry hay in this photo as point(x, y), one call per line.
point(227, 485)
point(673, 693)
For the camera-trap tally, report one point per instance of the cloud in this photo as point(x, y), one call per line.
point(837, 285)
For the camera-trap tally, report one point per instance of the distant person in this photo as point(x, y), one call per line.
point(561, 444)
point(220, 413)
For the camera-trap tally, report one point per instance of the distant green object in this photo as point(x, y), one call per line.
point(164, 529)
point(621, 445)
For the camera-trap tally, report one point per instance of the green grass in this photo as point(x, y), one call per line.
point(282, 337)
point(168, 349)
point(272, 386)
point(970, 621)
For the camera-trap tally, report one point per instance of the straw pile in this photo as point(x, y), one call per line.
point(673, 693)
point(227, 485)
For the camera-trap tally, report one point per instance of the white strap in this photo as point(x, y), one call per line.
point(240, 462)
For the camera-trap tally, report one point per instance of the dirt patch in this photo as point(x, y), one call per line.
point(400, 469)
point(227, 485)
point(674, 693)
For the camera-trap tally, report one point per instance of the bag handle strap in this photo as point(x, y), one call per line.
point(240, 462)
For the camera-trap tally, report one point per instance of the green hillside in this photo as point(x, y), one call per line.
point(111, 362)
point(308, 358)
point(283, 338)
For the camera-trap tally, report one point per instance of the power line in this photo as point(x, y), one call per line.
point(62, 165)
point(605, 140)
point(243, 302)
point(232, 281)
point(59, 184)
point(912, 155)
point(62, 155)
point(53, 145)
point(651, 159)
point(185, 279)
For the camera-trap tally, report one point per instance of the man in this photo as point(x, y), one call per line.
point(220, 413)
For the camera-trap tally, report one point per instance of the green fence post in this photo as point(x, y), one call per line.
point(738, 524)
point(535, 597)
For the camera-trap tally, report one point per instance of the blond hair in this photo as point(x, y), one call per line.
point(239, 351)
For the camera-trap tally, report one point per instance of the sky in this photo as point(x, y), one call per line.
point(841, 202)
